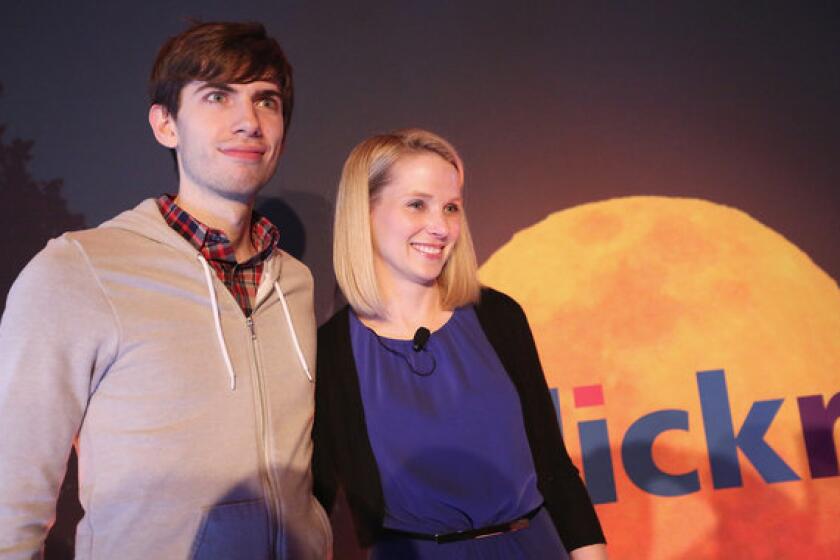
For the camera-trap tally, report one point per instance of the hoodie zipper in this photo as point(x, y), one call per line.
point(269, 484)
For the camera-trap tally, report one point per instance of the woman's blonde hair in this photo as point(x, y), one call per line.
point(366, 171)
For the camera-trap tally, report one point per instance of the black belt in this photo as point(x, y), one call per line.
point(489, 531)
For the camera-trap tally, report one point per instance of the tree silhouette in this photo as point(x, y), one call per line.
point(31, 211)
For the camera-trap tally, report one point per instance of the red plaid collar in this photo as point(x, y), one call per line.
point(241, 280)
point(213, 243)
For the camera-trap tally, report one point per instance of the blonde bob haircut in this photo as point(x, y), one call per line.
point(366, 172)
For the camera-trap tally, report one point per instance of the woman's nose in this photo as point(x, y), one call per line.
point(438, 225)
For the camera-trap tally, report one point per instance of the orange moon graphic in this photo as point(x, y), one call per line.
point(638, 295)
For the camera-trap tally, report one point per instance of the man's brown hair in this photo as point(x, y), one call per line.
point(231, 53)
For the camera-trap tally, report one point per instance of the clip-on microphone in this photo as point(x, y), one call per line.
point(421, 337)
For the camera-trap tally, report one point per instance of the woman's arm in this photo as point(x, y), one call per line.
point(325, 483)
point(566, 498)
point(324, 434)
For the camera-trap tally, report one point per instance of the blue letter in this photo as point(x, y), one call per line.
point(637, 454)
point(723, 444)
point(555, 398)
point(597, 461)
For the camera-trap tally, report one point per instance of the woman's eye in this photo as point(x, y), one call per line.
point(417, 204)
point(452, 208)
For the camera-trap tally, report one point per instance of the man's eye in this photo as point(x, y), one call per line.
point(268, 103)
point(215, 97)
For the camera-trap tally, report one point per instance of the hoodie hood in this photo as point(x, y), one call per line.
point(146, 221)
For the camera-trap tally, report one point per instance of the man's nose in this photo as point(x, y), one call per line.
point(247, 120)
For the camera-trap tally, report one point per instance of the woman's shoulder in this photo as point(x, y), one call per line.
point(493, 302)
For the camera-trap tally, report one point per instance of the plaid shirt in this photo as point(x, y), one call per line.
point(241, 279)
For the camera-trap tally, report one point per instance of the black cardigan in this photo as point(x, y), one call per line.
point(343, 455)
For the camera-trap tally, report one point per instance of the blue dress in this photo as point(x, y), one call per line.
point(445, 425)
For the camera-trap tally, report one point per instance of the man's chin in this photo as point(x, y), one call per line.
point(245, 195)
point(243, 189)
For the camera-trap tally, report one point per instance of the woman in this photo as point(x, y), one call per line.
point(446, 445)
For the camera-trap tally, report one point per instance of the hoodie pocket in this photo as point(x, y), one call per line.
point(233, 531)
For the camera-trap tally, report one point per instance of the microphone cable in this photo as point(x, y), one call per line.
point(418, 344)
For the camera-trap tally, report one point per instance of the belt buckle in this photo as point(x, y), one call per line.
point(519, 524)
point(475, 534)
point(493, 534)
point(511, 527)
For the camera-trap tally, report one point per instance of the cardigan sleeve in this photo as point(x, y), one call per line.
point(566, 498)
point(342, 456)
point(325, 483)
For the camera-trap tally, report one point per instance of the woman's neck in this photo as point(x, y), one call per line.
point(408, 309)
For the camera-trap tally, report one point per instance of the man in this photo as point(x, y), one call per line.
point(174, 344)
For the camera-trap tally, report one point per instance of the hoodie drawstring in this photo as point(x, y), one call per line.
point(282, 298)
point(214, 304)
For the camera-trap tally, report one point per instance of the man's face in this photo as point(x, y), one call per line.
point(228, 138)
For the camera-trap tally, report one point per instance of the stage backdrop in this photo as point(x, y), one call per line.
point(656, 184)
point(694, 354)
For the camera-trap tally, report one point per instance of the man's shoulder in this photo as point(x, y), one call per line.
point(74, 250)
point(144, 221)
point(104, 240)
point(290, 263)
point(54, 278)
point(58, 254)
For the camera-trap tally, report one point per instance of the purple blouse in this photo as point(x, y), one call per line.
point(445, 425)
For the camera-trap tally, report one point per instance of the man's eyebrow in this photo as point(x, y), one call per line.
point(268, 92)
point(227, 88)
point(221, 86)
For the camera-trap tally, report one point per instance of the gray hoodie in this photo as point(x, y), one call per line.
point(192, 422)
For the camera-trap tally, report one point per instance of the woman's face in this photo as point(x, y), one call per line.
point(416, 220)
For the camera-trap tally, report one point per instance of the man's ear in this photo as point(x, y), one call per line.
point(163, 126)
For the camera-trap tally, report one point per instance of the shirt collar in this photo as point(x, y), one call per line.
point(214, 243)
